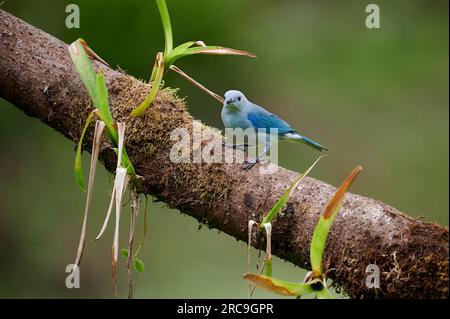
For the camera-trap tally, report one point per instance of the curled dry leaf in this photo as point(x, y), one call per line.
point(99, 126)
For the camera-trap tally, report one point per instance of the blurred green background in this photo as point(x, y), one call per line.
point(375, 97)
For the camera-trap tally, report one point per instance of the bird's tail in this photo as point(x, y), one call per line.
point(300, 138)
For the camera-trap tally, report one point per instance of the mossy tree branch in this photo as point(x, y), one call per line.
point(37, 76)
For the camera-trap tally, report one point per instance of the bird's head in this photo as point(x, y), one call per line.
point(235, 99)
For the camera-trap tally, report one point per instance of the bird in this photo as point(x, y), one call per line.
point(239, 112)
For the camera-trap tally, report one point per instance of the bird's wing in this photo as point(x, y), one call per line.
point(260, 118)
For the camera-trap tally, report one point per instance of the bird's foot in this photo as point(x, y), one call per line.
point(247, 166)
point(242, 147)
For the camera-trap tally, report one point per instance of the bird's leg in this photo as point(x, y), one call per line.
point(257, 160)
point(260, 157)
point(241, 147)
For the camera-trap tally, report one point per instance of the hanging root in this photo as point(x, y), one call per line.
point(108, 214)
point(268, 256)
point(251, 223)
point(120, 184)
point(99, 127)
point(144, 233)
point(133, 217)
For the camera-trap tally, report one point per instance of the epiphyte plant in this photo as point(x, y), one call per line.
point(266, 223)
point(315, 280)
point(125, 172)
point(164, 60)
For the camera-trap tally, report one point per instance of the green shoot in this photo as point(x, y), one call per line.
point(266, 223)
point(165, 60)
point(103, 104)
point(285, 197)
point(320, 234)
point(158, 74)
point(78, 168)
point(315, 280)
point(138, 264)
point(165, 19)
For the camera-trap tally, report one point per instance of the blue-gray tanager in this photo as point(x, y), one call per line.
point(238, 112)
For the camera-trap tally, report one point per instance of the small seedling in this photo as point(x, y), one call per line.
point(164, 60)
point(138, 264)
point(267, 225)
point(315, 280)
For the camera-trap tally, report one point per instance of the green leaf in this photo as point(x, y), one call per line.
point(138, 265)
point(216, 49)
point(176, 53)
point(180, 52)
point(103, 107)
point(102, 95)
point(324, 294)
point(165, 19)
point(182, 47)
point(154, 88)
point(320, 234)
point(85, 69)
point(124, 252)
point(280, 287)
point(269, 268)
point(285, 197)
point(78, 168)
point(94, 83)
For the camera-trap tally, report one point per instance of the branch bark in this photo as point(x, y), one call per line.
point(36, 75)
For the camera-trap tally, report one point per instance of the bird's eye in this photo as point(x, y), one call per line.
point(239, 98)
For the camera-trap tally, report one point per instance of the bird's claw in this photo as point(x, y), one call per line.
point(248, 166)
point(241, 147)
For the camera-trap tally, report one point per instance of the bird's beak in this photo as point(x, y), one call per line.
point(230, 101)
